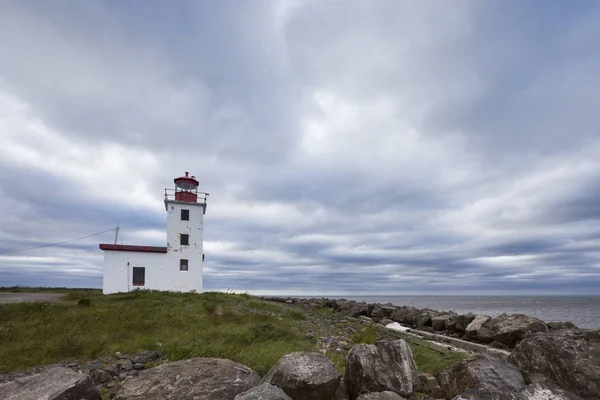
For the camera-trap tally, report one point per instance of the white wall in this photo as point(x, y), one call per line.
point(118, 276)
point(192, 279)
point(162, 269)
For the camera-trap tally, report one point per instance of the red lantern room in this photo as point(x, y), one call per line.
point(186, 188)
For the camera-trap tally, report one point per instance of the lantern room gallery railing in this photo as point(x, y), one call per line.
point(173, 194)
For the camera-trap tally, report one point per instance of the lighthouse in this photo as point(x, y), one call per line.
point(176, 267)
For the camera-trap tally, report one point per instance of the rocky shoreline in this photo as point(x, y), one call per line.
point(544, 361)
point(502, 332)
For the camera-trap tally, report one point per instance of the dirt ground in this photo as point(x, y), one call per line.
point(25, 297)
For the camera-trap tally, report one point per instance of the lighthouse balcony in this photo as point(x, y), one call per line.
point(185, 196)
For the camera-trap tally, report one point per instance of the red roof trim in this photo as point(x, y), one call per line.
point(186, 179)
point(125, 247)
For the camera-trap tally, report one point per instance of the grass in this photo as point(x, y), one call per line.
point(180, 325)
point(428, 360)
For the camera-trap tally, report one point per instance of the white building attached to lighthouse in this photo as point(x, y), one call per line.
point(176, 267)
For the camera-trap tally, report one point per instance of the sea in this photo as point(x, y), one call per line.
point(583, 311)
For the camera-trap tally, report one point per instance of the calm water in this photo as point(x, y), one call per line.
point(583, 311)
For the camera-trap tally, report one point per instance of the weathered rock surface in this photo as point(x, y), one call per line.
point(462, 321)
point(442, 322)
point(511, 329)
point(430, 385)
point(486, 394)
point(423, 318)
point(405, 315)
point(481, 372)
point(476, 331)
point(554, 326)
point(304, 376)
point(145, 356)
point(195, 378)
point(354, 309)
point(385, 366)
point(264, 391)
point(387, 395)
point(52, 384)
point(540, 391)
point(570, 358)
point(100, 375)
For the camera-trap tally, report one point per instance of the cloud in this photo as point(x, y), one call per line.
point(347, 148)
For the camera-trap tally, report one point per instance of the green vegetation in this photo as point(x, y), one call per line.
point(86, 325)
point(180, 325)
point(428, 360)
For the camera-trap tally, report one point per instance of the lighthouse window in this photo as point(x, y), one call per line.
point(183, 265)
point(185, 215)
point(185, 239)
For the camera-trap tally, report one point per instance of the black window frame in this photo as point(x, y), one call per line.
point(134, 275)
point(183, 264)
point(186, 213)
point(184, 239)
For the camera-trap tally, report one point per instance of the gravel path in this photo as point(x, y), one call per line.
point(16, 297)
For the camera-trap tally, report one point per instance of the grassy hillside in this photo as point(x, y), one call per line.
point(181, 325)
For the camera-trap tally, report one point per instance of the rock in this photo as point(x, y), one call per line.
point(138, 366)
point(475, 330)
point(387, 365)
point(341, 393)
point(405, 315)
point(387, 395)
point(365, 318)
point(511, 329)
point(481, 372)
point(125, 365)
point(377, 313)
point(194, 378)
point(354, 309)
point(430, 385)
point(440, 322)
point(486, 394)
point(424, 317)
point(304, 376)
point(386, 321)
point(100, 376)
point(555, 326)
point(264, 391)
point(462, 321)
point(145, 356)
point(540, 391)
point(571, 358)
point(57, 383)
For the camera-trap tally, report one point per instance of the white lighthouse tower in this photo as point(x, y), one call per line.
point(185, 231)
point(176, 267)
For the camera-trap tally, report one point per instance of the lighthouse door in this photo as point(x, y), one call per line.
point(139, 276)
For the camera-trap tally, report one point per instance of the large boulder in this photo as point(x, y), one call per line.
point(540, 391)
point(57, 383)
point(387, 395)
point(487, 394)
point(511, 329)
point(405, 315)
point(555, 326)
point(381, 311)
point(423, 318)
point(570, 358)
point(194, 378)
point(354, 309)
point(387, 365)
point(443, 322)
point(483, 373)
point(462, 321)
point(264, 391)
point(305, 375)
point(476, 330)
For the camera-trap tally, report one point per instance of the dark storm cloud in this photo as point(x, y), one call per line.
point(355, 148)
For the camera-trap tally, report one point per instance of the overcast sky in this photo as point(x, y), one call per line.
point(358, 147)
